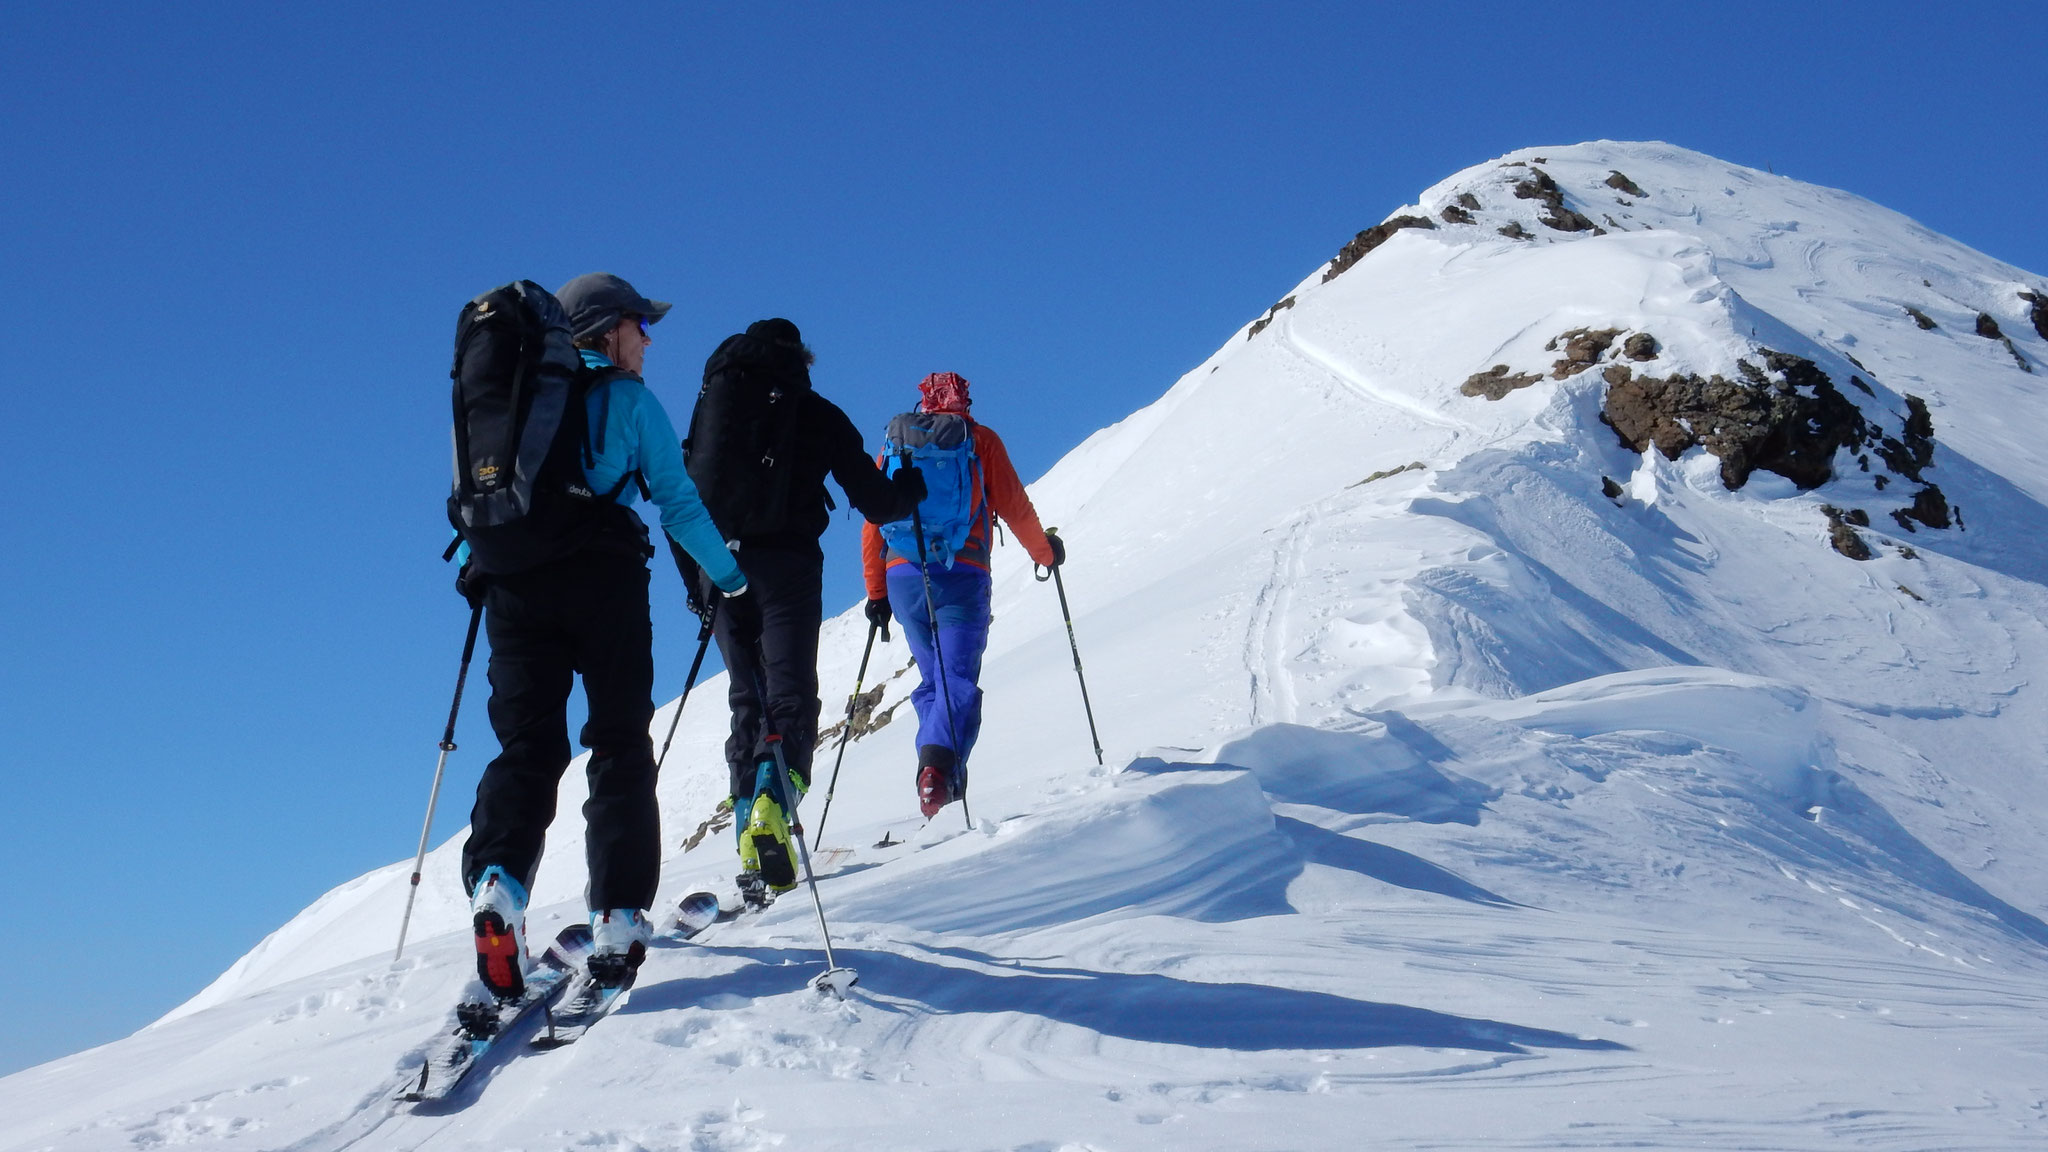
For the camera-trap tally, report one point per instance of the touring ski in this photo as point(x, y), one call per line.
point(586, 1002)
point(480, 1022)
point(698, 911)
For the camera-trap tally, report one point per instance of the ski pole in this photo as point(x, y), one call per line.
point(834, 978)
point(846, 730)
point(476, 616)
point(1061, 585)
point(931, 615)
point(690, 681)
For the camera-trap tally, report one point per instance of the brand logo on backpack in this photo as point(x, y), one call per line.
point(941, 446)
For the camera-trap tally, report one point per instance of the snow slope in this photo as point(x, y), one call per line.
point(1449, 800)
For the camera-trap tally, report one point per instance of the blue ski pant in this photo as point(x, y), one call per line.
point(960, 600)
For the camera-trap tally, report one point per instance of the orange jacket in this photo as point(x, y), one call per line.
point(1002, 494)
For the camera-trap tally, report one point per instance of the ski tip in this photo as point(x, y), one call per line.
point(698, 911)
point(836, 981)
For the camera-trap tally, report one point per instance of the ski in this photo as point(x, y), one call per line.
point(480, 1024)
point(698, 911)
point(586, 1003)
point(702, 909)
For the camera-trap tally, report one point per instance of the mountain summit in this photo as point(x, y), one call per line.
point(1582, 646)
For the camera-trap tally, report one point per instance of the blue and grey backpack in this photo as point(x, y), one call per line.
point(941, 446)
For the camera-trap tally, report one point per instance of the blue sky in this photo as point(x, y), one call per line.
point(236, 238)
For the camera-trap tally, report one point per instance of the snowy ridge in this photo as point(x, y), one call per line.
point(1453, 746)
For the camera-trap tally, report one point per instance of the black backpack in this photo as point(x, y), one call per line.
point(520, 497)
point(742, 445)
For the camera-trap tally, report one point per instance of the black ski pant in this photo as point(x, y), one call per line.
point(772, 642)
point(586, 613)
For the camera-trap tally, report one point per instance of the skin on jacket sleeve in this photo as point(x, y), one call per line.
point(871, 493)
point(638, 419)
point(1007, 497)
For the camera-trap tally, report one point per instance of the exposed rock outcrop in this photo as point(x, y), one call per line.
point(1413, 466)
point(1921, 318)
point(1371, 238)
point(1842, 531)
point(1259, 325)
point(1496, 382)
point(1583, 348)
point(1540, 187)
point(865, 718)
point(1987, 327)
point(1786, 417)
point(2039, 312)
point(1621, 183)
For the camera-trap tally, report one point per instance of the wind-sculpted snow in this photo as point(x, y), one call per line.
point(1472, 779)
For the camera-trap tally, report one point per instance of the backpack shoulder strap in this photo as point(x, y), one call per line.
point(588, 380)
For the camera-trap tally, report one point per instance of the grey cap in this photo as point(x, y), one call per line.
point(596, 300)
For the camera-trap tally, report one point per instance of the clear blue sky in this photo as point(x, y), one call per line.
point(234, 238)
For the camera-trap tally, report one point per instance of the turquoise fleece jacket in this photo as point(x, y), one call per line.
point(638, 435)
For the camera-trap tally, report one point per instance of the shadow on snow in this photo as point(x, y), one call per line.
point(1143, 1007)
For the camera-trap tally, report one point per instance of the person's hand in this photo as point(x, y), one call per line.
point(470, 583)
point(1059, 549)
point(742, 611)
point(910, 489)
point(879, 615)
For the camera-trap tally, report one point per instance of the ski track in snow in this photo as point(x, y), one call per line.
point(1460, 807)
point(1267, 645)
point(1358, 383)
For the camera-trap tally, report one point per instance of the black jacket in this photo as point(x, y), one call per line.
point(829, 444)
point(760, 468)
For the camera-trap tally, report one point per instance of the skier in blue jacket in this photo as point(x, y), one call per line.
point(587, 613)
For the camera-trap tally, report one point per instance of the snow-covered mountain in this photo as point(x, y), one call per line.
point(1572, 673)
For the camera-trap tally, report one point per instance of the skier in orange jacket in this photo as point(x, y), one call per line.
point(959, 521)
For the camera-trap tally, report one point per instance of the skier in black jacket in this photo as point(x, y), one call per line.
point(761, 443)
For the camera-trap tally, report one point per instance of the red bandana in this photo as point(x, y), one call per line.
point(945, 392)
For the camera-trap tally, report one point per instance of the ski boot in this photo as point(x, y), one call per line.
point(618, 939)
point(497, 911)
point(754, 891)
point(767, 847)
point(938, 779)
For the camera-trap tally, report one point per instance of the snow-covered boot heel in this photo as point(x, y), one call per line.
point(497, 912)
point(618, 943)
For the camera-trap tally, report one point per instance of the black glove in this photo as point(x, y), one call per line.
point(470, 583)
point(879, 615)
point(742, 611)
point(910, 490)
point(1059, 549)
